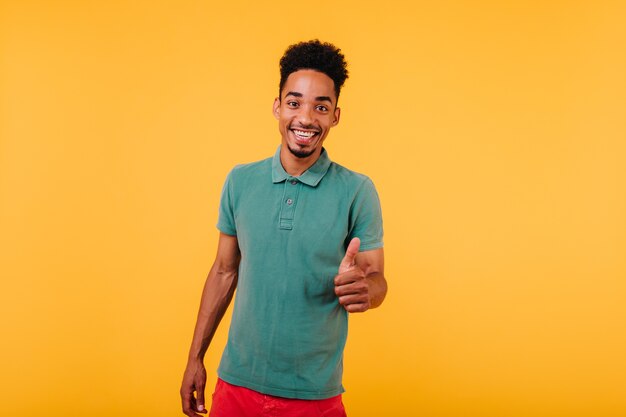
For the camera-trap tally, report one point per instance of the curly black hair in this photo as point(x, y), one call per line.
point(319, 56)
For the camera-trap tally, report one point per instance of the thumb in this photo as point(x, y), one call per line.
point(348, 261)
point(200, 399)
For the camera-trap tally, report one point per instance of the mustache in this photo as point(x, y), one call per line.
point(305, 127)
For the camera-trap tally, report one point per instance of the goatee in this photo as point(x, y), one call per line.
point(300, 154)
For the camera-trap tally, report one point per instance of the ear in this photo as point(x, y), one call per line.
point(276, 108)
point(337, 114)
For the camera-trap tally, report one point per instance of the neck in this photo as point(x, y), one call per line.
point(295, 166)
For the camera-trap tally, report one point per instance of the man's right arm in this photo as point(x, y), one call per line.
point(216, 296)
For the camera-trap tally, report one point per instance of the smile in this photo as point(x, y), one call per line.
point(305, 137)
point(303, 134)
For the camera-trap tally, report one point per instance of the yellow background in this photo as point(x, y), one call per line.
point(494, 131)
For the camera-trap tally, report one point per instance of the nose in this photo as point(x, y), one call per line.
point(305, 116)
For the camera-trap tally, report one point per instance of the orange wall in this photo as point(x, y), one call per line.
point(494, 132)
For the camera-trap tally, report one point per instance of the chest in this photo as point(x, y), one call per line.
point(294, 219)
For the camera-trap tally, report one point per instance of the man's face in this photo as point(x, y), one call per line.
point(306, 111)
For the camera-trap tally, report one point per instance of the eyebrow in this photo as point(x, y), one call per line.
point(299, 95)
point(324, 98)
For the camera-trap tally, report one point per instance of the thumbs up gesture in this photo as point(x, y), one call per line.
point(351, 286)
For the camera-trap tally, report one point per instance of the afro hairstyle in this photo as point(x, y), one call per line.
point(315, 55)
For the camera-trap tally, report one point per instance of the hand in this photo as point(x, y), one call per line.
point(351, 286)
point(193, 380)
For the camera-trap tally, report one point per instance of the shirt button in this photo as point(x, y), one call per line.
point(294, 182)
point(289, 201)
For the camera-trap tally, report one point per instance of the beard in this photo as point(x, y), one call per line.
point(300, 153)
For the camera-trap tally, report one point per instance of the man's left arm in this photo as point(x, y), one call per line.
point(360, 282)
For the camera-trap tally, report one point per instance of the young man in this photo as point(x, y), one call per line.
point(301, 239)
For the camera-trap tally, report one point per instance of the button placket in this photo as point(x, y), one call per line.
point(288, 203)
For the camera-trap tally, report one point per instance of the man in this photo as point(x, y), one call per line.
point(301, 239)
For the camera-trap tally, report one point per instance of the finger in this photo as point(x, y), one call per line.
point(349, 259)
point(348, 289)
point(349, 277)
point(200, 399)
point(357, 308)
point(342, 290)
point(189, 404)
point(346, 300)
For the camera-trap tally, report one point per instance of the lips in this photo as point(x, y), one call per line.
point(304, 136)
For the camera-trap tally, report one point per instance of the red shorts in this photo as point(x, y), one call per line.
point(234, 401)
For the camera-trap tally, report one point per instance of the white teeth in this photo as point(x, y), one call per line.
point(303, 134)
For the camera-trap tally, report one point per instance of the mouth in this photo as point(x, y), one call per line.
point(303, 136)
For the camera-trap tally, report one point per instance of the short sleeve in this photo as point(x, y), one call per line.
point(226, 216)
point(366, 221)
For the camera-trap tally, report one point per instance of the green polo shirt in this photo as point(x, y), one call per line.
point(288, 330)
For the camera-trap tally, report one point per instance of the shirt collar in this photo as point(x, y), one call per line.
point(310, 177)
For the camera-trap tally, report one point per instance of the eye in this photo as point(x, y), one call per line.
point(292, 104)
point(322, 108)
